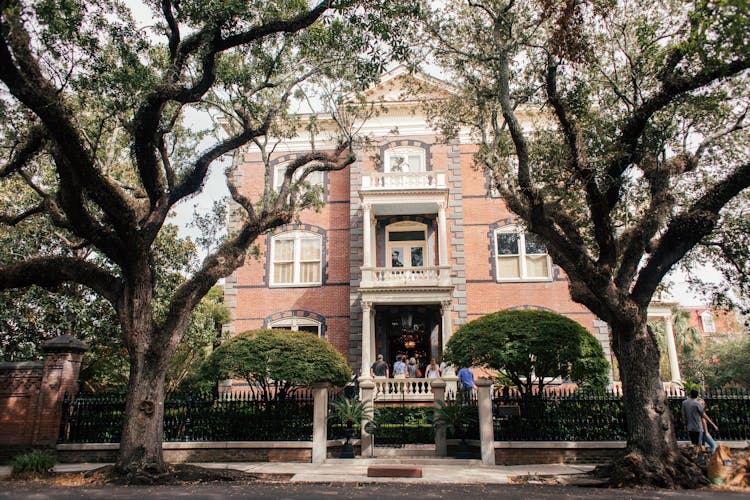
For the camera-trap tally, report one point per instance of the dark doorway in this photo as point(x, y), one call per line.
point(413, 331)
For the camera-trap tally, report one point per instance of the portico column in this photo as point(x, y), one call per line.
point(674, 364)
point(368, 338)
point(445, 311)
point(367, 234)
point(442, 242)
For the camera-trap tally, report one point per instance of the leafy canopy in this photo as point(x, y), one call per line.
point(522, 345)
point(277, 361)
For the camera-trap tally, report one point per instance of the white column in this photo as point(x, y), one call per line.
point(445, 311)
point(443, 274)
point(320, 423)
point(368, 337)
point(367, 235)
point(674, 364)
point(442, 236)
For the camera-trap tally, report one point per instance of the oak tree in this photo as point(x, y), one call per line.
point(106, 102)
point(616, 131)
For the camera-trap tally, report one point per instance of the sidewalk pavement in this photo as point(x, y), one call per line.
point(444, 471)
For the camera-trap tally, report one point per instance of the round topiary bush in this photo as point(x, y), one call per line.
point(277, 360)
point(527, 346)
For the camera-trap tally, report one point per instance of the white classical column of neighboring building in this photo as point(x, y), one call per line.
point(674, 364)
point(368, 338)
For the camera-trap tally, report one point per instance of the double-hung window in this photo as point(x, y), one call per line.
point(313, 179)
point(296, 259)
point(521, 256)
point(405, 159)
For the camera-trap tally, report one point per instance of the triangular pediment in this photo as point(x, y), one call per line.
point(401, 86)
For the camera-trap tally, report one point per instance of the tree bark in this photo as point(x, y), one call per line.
point(140, 458)
point(652, 457)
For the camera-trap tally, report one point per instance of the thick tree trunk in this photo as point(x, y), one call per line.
point(652, 457)
point(140, 457)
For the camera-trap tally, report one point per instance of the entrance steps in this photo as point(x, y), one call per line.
point(409, 454)
point(405, 461)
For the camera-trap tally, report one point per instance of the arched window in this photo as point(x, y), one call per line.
point(297, 324)
point(406, 244)
point(520, 256)
point(296, 259)
point(404, 159)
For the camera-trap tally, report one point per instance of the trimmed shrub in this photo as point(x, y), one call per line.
point(34, 462)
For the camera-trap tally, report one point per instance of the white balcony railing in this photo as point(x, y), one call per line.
point(411, 389)
point(405, 276)
point(403, 180)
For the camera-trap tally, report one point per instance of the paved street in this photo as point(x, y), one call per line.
point(282, 491)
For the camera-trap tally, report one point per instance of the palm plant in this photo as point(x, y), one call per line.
point(348, 411)
point(454, 418)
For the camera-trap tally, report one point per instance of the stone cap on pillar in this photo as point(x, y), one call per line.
point(438, 383)
point(483, 382)
point(65, 343)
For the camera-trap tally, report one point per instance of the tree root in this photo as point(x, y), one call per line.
point(635, 470)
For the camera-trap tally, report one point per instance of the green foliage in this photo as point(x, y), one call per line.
point(350, 411)
point(524, 344)
point(277, 361)
point(454, 418)
point(723, 362)
point(33, 462)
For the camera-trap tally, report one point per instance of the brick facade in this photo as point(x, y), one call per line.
point(471, 213)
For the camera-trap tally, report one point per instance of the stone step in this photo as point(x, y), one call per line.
point(406, 461)
point(394, 471)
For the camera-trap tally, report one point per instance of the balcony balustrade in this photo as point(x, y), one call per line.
point(405, 276)
point(384, 181)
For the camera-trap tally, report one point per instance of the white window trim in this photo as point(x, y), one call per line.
point(278, 176)
point(297, 236)
point(709, 325)
point(521, 256)
point(399, 227)
point(293, 323)
point(409, 150)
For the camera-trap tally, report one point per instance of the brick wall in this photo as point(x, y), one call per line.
point(31, 395)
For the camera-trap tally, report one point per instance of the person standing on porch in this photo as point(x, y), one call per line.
point(466, 378)
point(379, 368)
point(412, 369)
point(399, 367)
point(433, 370)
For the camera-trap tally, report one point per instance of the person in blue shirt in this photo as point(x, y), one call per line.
point(466, 377)
point(399, 367)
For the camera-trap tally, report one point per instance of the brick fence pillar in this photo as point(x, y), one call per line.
point(62, 363)
point(486, 425)
point(438, 391)
point(367, 396)
point(320, 423)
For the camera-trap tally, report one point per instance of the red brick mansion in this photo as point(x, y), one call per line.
point(410, 245)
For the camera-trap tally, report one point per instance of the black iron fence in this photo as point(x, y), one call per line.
point(97, 418)
point(578, 415)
